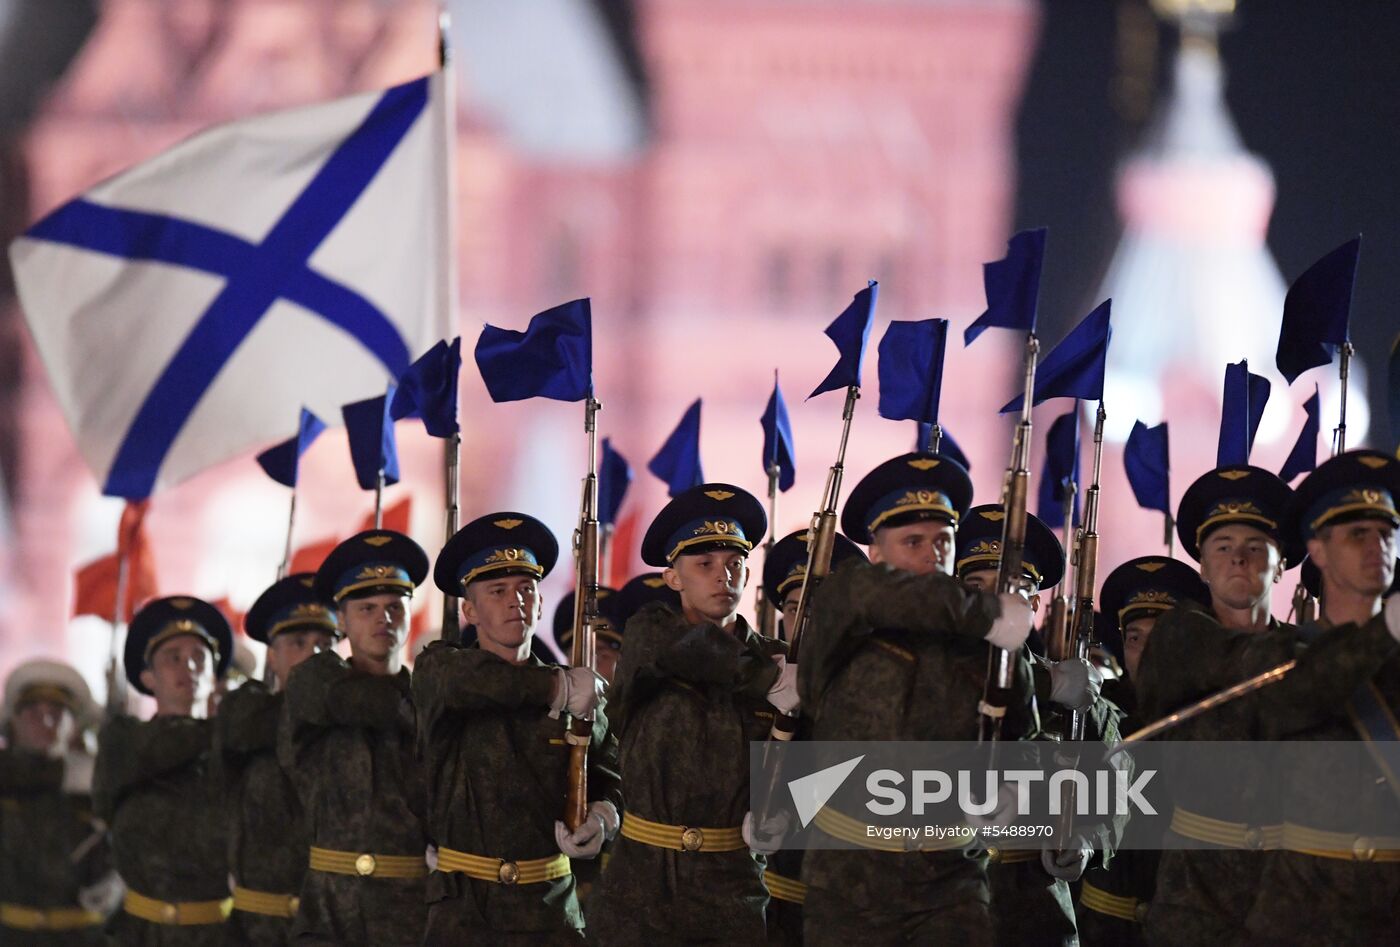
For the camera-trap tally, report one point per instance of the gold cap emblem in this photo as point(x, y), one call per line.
point(507, 523)
point(1234, 474)
point(720, 495)
point(1375, 463)
point(924, 463)
point(377, 541)
point(996, 516)
point(308, 583)
point(655, 582)
point(182, 603)
point(1151, 566)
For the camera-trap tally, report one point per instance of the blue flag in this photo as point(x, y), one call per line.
point(777, 439)
point(1075, 368)
point(1316, 312)
point(678, 461)
point(1061, 470)
point(614, 477)
point(850, 331)
point(1242, 405)
point(280, 460)
point(947, 447)
point(1013, 286)
point(1148, 465)
point(552, 358)
point(911, 370)
point(428, 390)
point(1303, 456)
point(370, 431)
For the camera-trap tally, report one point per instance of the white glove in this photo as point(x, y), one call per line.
point(783, 693)
point(430, 857)
point(1013, 625)
point(1392, 616)
point(770, 834)
point(587, 840)
point(1069, 864)
point(1075, 683)
point(576, 690)
point(103, 896)
point(77, 773)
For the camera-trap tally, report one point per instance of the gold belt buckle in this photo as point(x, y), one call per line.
point(169, 913)
point(1140, 911)
point(365, 865)
point(692, 840)
point(294, 904)
point(1362, 849)
point(1254, 838)
point(508, 873)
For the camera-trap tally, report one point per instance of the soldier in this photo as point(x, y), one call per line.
point(693, 687)
point(640, 591)
point(1031, 902)
point(346, 741)
point(1114, 898)
point(267, 836)
point(1337, 879)
point(154, 784)
point(898, 651)
point(784, 571)
point(607, 630)
point(497, 764)
point(54, 863)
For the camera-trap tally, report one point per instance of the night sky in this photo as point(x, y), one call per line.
point(1314, 89)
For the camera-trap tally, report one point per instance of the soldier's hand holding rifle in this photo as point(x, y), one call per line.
point(1012, 627)
point(783, 694)
point(576, 690)
point(1075, 683)
point(587, 840)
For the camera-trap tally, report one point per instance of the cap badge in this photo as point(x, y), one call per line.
point(507, 524)
point(377, 541)
point(720, 495)
point(1234, 474)
point(924, 463)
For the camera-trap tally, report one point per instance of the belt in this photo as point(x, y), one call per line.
point(366, 865)
point(265, 902)
point(1226, 834)
point(783, 888)
point(502, 871)
point(24, 918)
point(1012, 856)
point(1340, 845)
point(1114, 905)
point(181, 913)
point(681, 838)
point(841, 826)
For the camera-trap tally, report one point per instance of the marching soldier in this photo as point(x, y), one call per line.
point(154, 784)
point(53, 854)
point(267, 836)
point(496, 760)
point(1336, 881)
point(694, 686)
point(346, 741)
point(1114, 898)
point(898, 651)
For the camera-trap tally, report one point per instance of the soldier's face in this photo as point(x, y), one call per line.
point(505, 611)
point(376, 626)
point(1356, 558)
point(180, 674)
point(985, 580)
point(1240, 563)
point(790, 611)
point(290, 648)
point(1135, 635)
point(923, 548)
point(608, 653)
point(710, 583)
point(43, 726)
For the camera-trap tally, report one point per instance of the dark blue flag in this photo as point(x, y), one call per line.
point(428, 389)
point(911, 370)
point(280, 460)
point(370, 431)
point(777, 439)
point(1148, 465)
point(1061, 470)
point(678, 461)
point(1013, 286)
point(1242, 406)
point(614, 477)
point(947, 447)
point(1303, 456)
point(1316, 312)
point(850, 331)
point(552, 358)
point(1075, 368)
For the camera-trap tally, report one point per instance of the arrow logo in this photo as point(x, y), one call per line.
point(811, 792)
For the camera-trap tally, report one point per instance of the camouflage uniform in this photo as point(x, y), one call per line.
point(154, 787)
point(687, 700)
point(267, 837)
point(41, 828)
point(497, 768)
point(895, 656)
point(346, 739)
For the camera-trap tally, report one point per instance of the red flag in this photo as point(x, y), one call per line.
point(395, 517)
point(95, 584)
point(309, 557)
point(622, 548)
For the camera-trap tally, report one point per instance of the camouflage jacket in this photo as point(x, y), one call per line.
point(686, 701)
point(346, 740)
point(496, 766)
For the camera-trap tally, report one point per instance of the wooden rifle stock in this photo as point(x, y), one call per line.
point(579, 732)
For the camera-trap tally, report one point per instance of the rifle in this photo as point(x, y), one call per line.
point(996, 692)
point(579, 732)
point(768, 611)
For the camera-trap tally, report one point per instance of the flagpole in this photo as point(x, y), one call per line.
point(1339, 436)
point(768, 611)
point(116, 690)
point(935, 438)
point(1169, 534)
point(379, 499)
point(286, 565)
point(452, 446)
